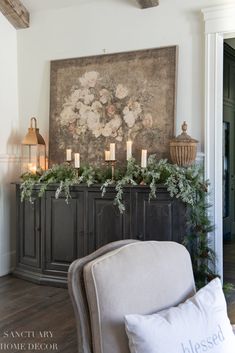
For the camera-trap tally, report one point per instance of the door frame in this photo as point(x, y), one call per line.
point(219, 25)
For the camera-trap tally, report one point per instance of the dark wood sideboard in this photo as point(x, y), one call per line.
point(51, 234)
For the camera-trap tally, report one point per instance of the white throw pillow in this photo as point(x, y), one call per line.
point(199, 325)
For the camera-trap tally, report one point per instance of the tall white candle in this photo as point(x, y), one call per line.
point(144, 159)
point(112, 151)
point(68, 155)
point(77, 160)
point(128, 150)
point(107, 155)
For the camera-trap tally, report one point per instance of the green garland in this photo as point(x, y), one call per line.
point(186, 184)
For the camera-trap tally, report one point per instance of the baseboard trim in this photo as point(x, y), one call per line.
point(41, 278)
point(7, 263)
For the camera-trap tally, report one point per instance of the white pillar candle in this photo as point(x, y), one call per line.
point(112, 151)
point(77, 160)
point(68, 155)
point(144, 159)
point(107, 155)
point(128, 150)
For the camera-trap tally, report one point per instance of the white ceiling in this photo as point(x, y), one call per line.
point(38, 5)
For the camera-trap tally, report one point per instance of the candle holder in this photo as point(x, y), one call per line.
point(77, 171)
point(112, 164)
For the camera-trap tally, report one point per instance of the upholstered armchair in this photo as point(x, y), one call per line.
point(122, 278)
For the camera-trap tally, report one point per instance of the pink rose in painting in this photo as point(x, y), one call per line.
point(111, 110)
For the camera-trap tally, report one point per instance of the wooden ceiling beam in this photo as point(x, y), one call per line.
point(15, 12)
point(144, 4)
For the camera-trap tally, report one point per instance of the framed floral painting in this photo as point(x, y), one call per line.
point(103, 99)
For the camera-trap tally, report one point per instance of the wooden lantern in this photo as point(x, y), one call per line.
point(33, 150)
point(183, 148)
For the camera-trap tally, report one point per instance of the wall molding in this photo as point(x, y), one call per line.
point(9, 158)
point(218, 12)
point(219, 23)
point(219, 19)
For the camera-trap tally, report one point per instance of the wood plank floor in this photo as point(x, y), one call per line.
point(43, 310)
point(35, 310)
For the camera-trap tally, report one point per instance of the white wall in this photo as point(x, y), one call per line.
point(9, 161)
point(113, 25)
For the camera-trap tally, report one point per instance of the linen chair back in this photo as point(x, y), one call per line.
point(135, 277)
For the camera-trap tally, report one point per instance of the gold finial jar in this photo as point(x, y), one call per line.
point(183, 148)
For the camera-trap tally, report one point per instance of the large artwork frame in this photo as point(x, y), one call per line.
point(98, 100)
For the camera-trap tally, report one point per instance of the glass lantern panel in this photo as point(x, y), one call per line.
point(29, 158)
point(33, 158)
point(41, 157)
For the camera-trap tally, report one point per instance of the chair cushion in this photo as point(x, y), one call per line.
point(201, 324)
point(142, 278)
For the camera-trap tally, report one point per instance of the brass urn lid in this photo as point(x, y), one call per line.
point(33, 136)
point(183, 137)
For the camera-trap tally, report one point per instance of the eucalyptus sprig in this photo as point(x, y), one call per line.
point(87, 176)
point(29, 180)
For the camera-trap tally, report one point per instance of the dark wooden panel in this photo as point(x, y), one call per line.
point(105, 222)
point(64, 231)
point(180, 228)
point(153, 218)
point(29, 233)
point(160, 219)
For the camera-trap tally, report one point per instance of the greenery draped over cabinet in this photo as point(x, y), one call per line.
point(186, 184)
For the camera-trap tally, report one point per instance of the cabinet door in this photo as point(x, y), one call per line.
point(64, 231)
point(105, 222)
point(162, 218)
point(29, 232)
